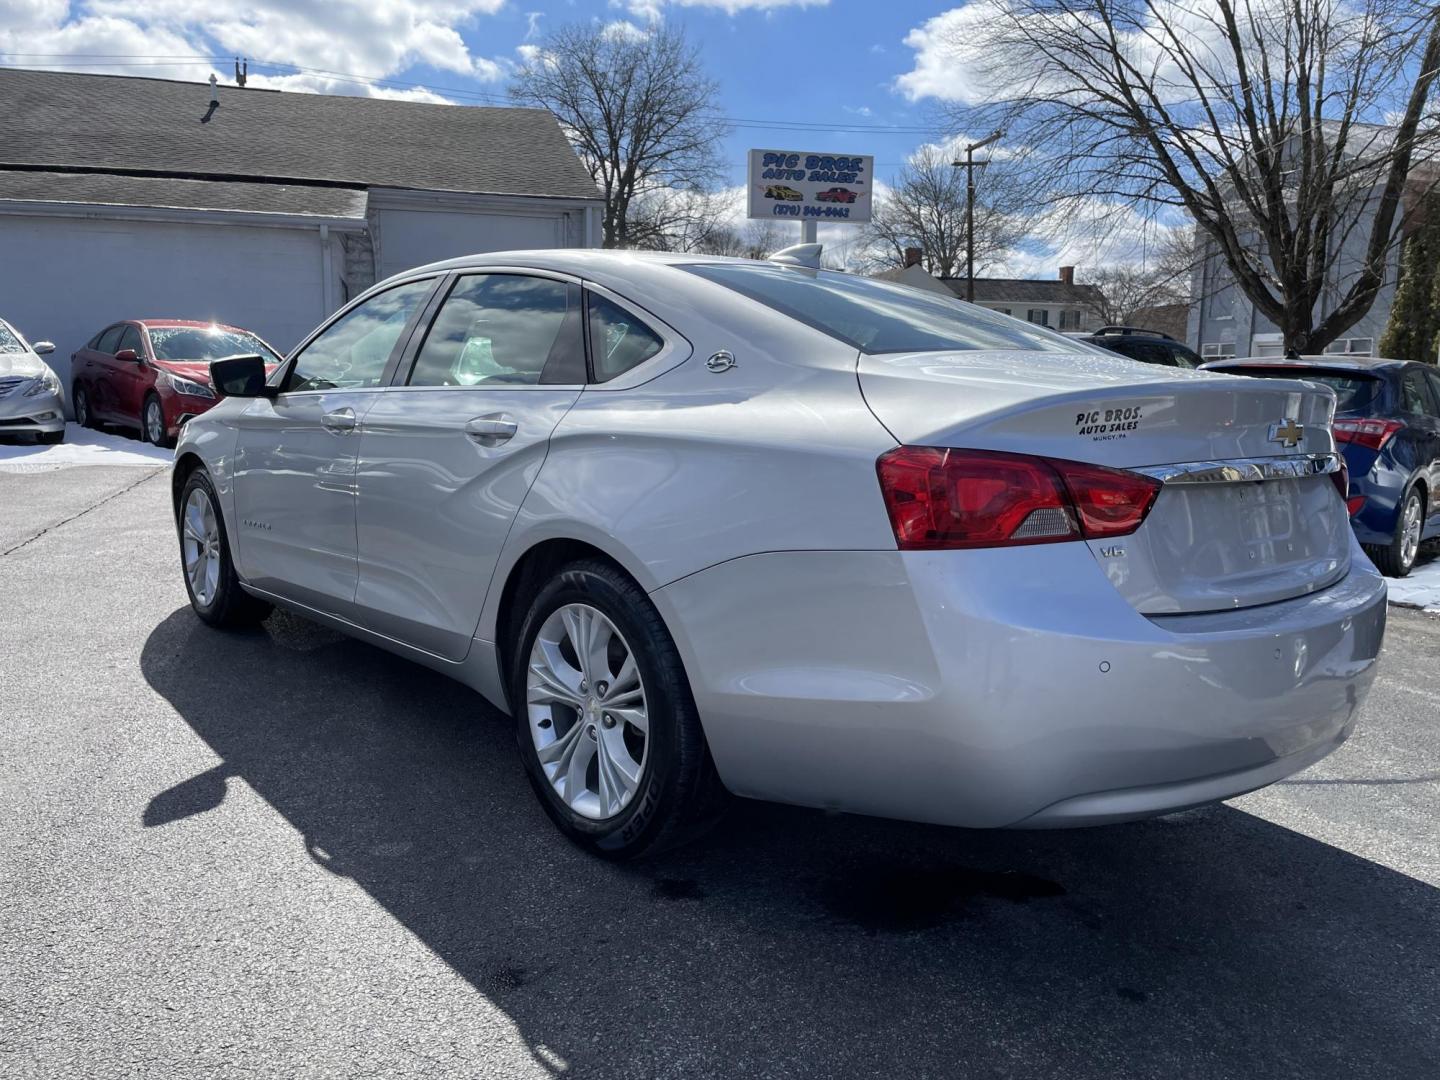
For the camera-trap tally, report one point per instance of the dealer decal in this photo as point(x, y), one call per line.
point(1101, 425)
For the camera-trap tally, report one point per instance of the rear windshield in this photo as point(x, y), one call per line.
point(1353, 392)
point(206, 343)
point(877, 317)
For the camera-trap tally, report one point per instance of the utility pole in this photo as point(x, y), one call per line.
point(969, 165)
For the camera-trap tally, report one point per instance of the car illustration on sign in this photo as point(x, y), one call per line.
point(780, 191)
point(837, 195)
point(900, 555)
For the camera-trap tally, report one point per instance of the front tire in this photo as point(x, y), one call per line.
point(1397, 558)
point(152, 424)
point(210, 578)
point(83, 416)
point(608, 729)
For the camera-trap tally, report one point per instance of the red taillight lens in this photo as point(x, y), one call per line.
point(1354, 505)
point(942, 498)
point(1371, 433)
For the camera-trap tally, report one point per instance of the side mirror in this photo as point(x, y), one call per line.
point(130, 356)
point(43, 347)
point(240, 376)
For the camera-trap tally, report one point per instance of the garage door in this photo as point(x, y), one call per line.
point(409, 238)
point(78, 275)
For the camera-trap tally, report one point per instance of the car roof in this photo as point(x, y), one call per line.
point(188, 322)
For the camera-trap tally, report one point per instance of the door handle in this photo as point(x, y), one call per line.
point(341, 421)
point(491, 430)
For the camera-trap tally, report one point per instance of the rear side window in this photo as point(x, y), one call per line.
point(1353, 393)
point(618, 340)
point(109, 340)
point(1414, 395)
point(877, 317)
point(503, 330)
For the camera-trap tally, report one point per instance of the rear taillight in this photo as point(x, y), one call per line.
point(943, 498)
point(1371, 433)
point(1341, 479)
point(1354, 504)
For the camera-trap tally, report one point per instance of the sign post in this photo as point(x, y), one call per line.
point(787, 185)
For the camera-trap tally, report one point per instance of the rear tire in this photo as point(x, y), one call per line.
point(669, 791)
point(1397, 558)
point(205, 562)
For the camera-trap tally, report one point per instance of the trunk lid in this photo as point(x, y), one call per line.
point(1205, 545)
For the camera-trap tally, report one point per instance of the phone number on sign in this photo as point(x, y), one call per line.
point(791, 210)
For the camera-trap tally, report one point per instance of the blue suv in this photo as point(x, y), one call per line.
point(1387, 422)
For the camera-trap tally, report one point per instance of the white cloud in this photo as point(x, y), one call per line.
point(372, 38)
point(652, 9)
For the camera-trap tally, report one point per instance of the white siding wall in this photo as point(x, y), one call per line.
point(409, 238)
point(63, 278)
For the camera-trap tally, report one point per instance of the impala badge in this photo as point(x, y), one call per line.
point(1288, 433)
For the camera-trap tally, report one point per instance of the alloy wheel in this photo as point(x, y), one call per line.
point(588, 718)
point(1410, 526)
point(200, 546)
point(154, 422)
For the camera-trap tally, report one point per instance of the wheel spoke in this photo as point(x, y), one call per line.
point(562, 682)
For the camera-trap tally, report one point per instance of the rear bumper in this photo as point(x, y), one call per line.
point(1009, 687)
point(20, 415)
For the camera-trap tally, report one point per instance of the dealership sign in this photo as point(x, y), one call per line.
point(791, 185)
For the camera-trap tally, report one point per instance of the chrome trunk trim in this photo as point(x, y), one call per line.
point(1246, 470)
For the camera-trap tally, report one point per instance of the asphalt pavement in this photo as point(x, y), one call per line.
point(282, 853)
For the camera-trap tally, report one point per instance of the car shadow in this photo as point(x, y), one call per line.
point(795, 943)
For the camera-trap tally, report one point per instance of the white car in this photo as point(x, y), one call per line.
point(30, 396)
point(706, 525)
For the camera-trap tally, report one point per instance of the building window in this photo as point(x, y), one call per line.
point(1215, 349)
point(1039, 316)
point(1361, 346)
point(1069, 320)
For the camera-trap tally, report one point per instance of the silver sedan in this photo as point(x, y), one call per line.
point(30, 396)
point(710, 527)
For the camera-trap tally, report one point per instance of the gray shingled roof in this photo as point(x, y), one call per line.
point(120, 123)
point(1025, 291)
point(110, 189)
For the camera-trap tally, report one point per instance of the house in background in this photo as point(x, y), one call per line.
point(1060, 303)
point(128, 197)
point(1222, 320)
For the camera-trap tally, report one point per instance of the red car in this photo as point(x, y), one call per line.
point(837, 194)
point(154, 374)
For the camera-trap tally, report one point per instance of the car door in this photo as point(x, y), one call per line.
point(294, 473)
point(449, 452)
point(130, 379)
point(101, 369)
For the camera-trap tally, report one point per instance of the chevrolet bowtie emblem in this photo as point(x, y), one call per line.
point(1288, 433)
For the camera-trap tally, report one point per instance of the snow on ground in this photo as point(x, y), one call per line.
point(1422, 588)
point(82, 446)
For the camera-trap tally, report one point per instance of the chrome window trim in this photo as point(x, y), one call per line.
point(1246, 470)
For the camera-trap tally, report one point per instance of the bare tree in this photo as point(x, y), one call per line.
point(925, 209)
point(1287, 129)
point(638, 108)
point(1123, 292)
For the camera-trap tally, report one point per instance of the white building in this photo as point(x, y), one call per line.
point(133, 198)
